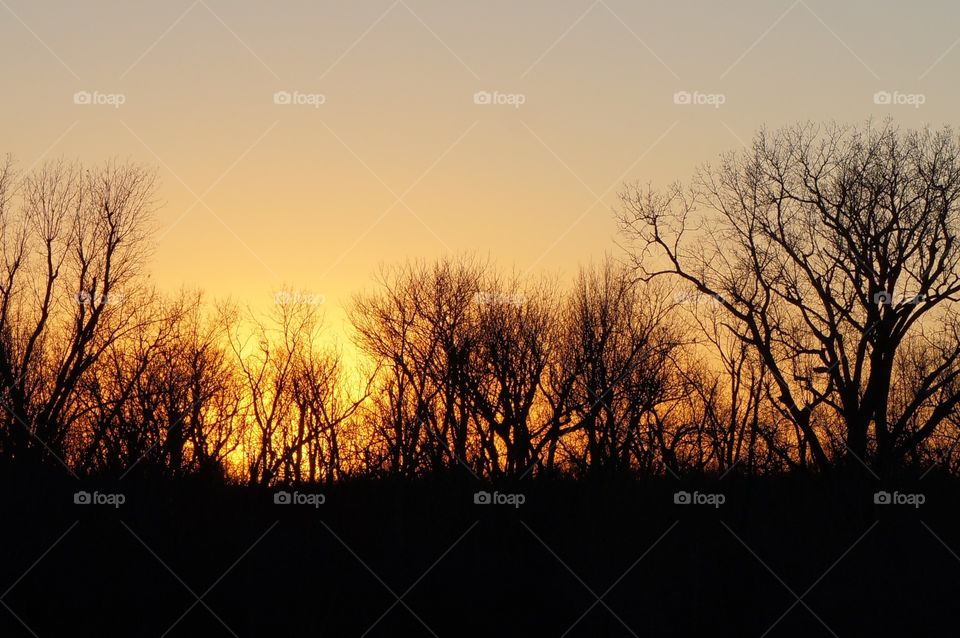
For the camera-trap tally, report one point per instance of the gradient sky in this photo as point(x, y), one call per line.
point(399, 160)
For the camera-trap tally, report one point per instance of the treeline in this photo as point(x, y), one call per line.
point(793, 309)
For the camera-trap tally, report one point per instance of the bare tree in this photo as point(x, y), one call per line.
point(515, 341)
point(620, 339)
point(829, 248)
point(74, 243)
point(294, 401)
point(722, 387)
point(324, 409)
point(420, 328)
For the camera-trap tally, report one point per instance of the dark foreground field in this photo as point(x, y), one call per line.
point(788, 556)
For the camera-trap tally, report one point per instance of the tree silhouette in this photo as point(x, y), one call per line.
point(792, 310)
point(832, 251)
point(74, 243)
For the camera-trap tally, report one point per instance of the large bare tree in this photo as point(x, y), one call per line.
point(833, 252)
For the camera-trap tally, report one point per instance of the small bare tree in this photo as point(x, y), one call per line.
point(74, 242)
point(515, 328)
point(617, 340)
point(420, 329)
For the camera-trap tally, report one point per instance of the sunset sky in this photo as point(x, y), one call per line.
point(399, 160)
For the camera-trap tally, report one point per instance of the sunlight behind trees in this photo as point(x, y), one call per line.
point(794, 309)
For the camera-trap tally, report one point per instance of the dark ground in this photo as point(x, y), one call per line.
point(460, 569)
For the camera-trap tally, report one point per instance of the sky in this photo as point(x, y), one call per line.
point(300, 144)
